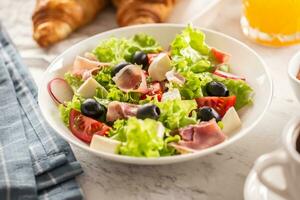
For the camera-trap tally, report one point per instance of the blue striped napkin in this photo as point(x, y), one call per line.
point(35, 163)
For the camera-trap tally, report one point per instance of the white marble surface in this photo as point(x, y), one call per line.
point(216, 177)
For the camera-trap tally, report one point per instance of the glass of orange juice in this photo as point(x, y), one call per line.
point(272, 22)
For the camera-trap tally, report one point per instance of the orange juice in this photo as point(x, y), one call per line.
point(272, 22)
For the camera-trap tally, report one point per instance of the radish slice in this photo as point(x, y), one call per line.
point(228, 75)
point(60, 91)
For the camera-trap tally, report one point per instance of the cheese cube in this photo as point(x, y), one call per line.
point(88, 88)
point(101, 143)
point(159, 67)
point(231, 121)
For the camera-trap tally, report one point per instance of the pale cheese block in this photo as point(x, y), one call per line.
point(88, 88)
point(101, 143)
point(160, 130)
point(231, 121)
point(171, 95)
point(159, 67)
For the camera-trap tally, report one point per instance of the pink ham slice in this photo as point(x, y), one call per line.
point(175, 77)
point(88, 73)
point(119, 110)
point(201, 136)
point(131, 79)
point(81, 65)
point(90, 56)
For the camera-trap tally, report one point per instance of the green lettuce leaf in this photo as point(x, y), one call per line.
point(168, 150)
point(189, 51)
point(115, 50)
point(176, 113)
point(145, 43)
point(73, 80)
point(118, 132)
point(103, 77)
point(65, 110)
point(139, 138)
point(111, 50)
point(241, 90)
point(115, 94)
point(103, 102)
point(194, 85)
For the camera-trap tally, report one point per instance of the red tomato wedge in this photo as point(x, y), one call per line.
point(228, 75)
point(220, 56)
point(84, 127)
point(154, 89)
point(220, 104)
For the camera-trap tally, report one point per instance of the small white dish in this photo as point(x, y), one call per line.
point(285, 159)
point(244, 61)
point(255, 190)
point(293, 69)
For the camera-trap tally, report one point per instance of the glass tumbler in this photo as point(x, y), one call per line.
point(272, 22)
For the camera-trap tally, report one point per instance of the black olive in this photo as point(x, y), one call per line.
point(140, 58)
point(148, 111)
point(91, 108)
point(118, 67)
point(217, 89)
point(207, 113)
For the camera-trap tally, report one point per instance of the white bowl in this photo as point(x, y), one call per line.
point(293, 69)
point(244, 62)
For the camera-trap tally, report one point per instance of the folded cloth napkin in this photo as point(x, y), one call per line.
point(35, 163)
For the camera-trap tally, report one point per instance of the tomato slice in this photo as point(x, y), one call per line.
point(84, 127)
point(220, 56)
point(220, 104)
point(155, 89)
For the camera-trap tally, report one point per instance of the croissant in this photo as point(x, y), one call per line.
point(142, 11)
point(54, 20)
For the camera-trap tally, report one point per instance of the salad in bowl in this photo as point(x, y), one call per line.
point(130, 96)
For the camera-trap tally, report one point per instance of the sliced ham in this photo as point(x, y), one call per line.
point(119, 110)
point(82, 65)
point(181, 149)
point(89, 73)
point(201, 136)
point(175, 77)
point(90, 56)
point(187, 133)
point(131, 79)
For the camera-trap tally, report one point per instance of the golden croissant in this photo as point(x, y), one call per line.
point(142, 11)
point(54, 20)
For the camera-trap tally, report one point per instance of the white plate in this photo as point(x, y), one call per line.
point(244, 62)
point(255, 190)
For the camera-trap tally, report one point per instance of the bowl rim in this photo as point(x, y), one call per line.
point(166, 159)
point(291, 66)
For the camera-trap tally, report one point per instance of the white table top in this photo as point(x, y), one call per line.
point(220, 176)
